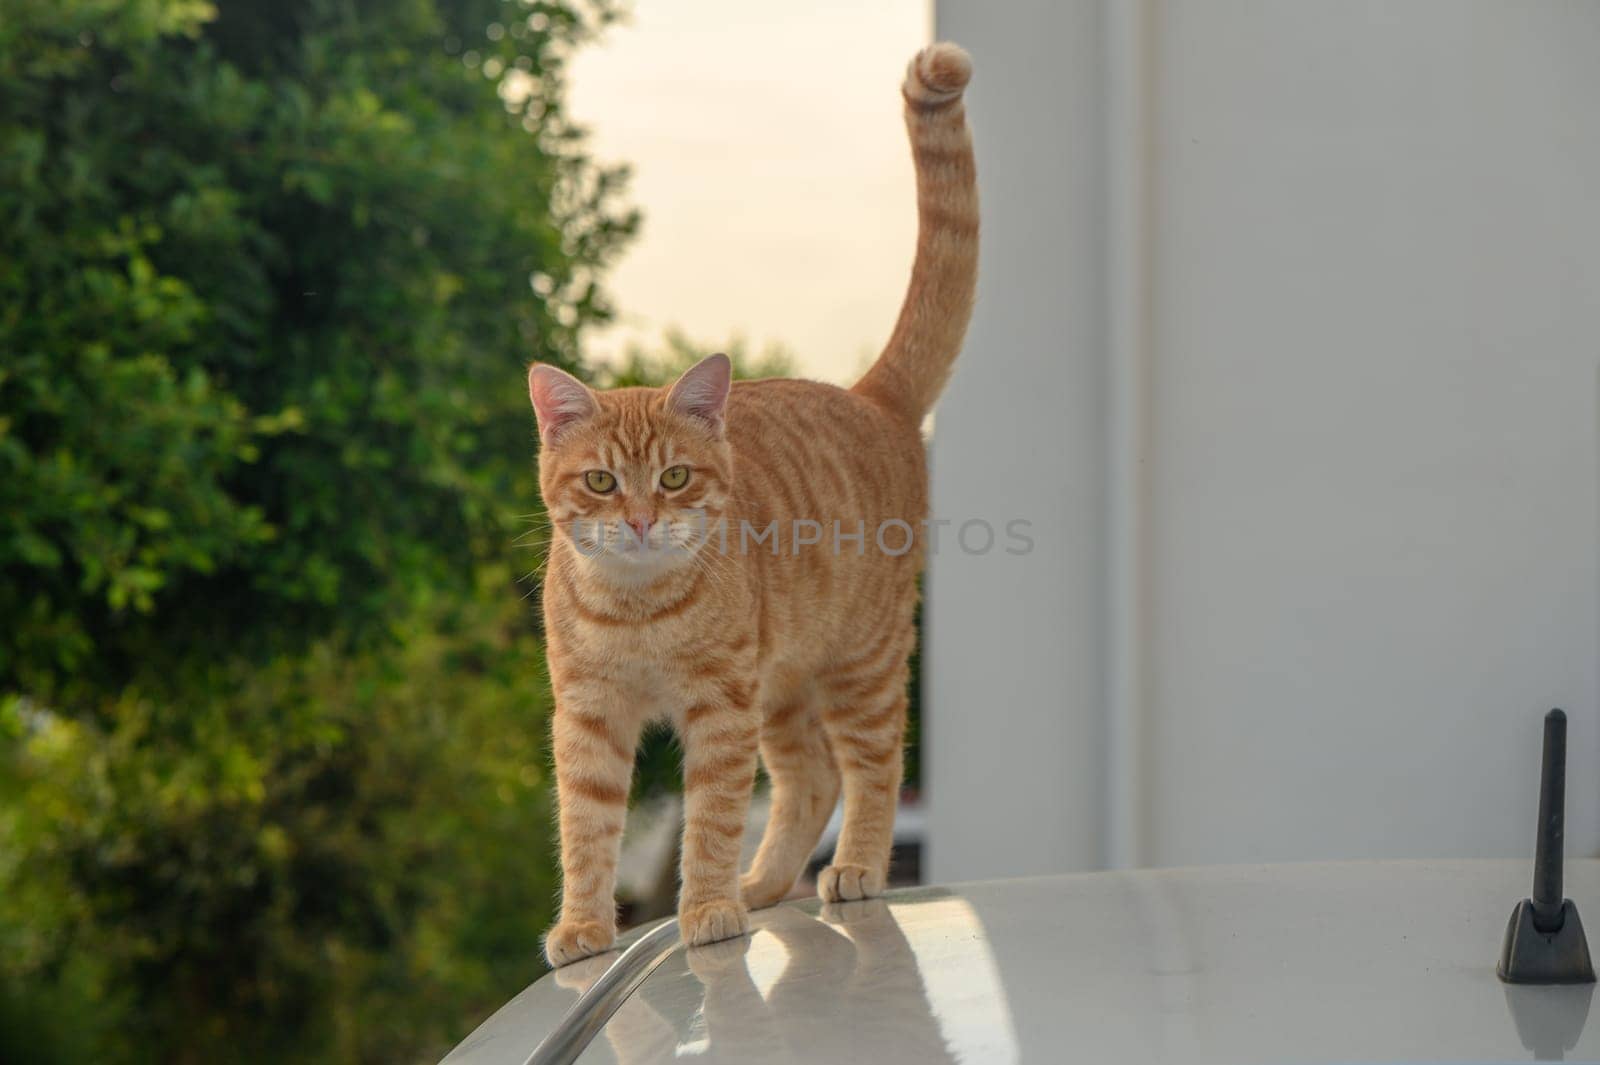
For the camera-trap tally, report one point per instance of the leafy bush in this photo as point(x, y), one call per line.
point(270, 279)
point(654, 368)
point(349, 859)
point(271, 708)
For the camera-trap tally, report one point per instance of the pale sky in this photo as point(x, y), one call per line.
point(771, 166)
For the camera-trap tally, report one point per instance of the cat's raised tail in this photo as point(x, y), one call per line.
point(912, 370)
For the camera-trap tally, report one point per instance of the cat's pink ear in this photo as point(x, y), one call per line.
point(559, 399)
point(702, 391)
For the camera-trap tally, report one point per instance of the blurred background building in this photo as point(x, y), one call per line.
point(1286, 341)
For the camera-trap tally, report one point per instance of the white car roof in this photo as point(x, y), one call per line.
point(1354, 962)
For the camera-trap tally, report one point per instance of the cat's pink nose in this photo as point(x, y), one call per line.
point(640, 527)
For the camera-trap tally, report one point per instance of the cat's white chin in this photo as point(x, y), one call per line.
point(639, 565)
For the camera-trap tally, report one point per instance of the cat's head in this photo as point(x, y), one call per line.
point(635, 478)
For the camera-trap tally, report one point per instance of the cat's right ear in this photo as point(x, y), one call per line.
point(559, 399)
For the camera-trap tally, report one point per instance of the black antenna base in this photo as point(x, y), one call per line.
point(1534, 957)
point(1545, 943)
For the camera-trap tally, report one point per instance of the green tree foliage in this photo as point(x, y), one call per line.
point(272, 781)
point(269, 275)
point(643, 366)
point(348, 860)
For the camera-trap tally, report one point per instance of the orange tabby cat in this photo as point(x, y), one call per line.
point(742, 562)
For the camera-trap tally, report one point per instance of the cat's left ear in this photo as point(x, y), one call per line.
point(702, 391)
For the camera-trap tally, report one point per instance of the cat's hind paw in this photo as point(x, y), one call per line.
point(569, 941)
point(758, 893)
point(710, 921)
point(845, 883)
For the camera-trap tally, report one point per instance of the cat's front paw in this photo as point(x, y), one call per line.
point(708, 922)
point(844, 883)
point(570, 940)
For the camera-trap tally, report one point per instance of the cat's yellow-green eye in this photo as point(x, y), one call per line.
point(599, 481)
point(675, 478)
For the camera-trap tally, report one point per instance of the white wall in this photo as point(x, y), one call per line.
point(1016, 642)
point(1289, 324)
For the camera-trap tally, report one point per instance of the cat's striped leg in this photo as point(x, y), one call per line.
point(805, 789)
point(594, 768)
point(719, 766)
point(866, 726)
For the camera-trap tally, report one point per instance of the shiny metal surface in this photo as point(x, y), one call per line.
point(554, 1018)
point(585, 1017)
point(1360, 962)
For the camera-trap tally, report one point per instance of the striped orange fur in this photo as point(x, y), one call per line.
point(793, 644)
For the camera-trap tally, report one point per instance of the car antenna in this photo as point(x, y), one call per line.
point(1544, 941)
